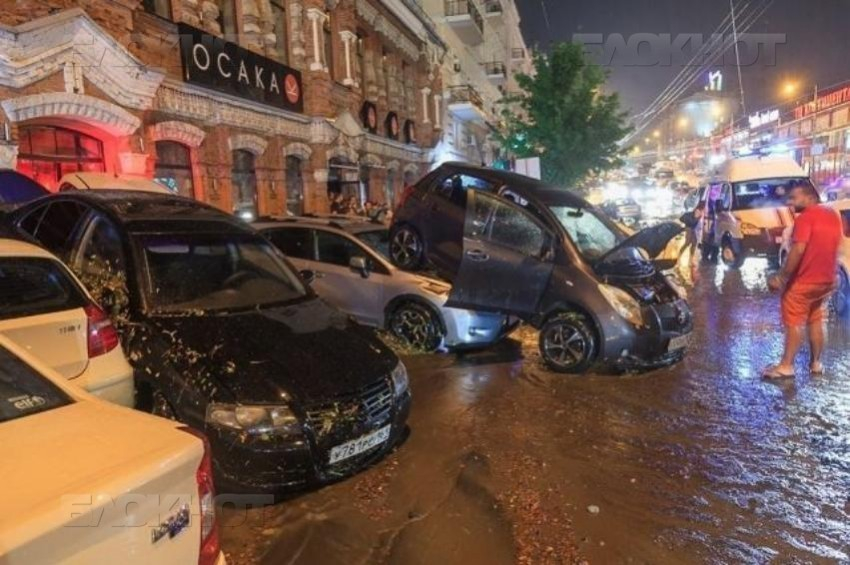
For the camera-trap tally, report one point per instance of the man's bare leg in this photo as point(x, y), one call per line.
point(817, 336)
point(793, 341)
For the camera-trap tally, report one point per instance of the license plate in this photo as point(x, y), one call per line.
point(679, 342)
point(357, 446)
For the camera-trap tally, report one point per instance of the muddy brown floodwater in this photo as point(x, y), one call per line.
point(508, 463)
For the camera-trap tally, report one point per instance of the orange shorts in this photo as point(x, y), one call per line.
point(805, 303)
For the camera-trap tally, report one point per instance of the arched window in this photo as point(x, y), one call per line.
point(244, 181)
point(46, 153)
point(294, 186)
point(174, 167)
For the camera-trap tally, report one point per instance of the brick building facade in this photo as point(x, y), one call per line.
point(102, 85)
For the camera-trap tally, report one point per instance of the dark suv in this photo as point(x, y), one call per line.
point(514, 245)
point(225, 336)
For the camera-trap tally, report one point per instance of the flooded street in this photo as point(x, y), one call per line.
point(508, 463)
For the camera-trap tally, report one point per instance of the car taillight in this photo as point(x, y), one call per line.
point(210, 546)
point(405, 195)
point(102, 335)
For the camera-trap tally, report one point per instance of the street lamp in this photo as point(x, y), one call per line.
point(684, 122)
point(789, 89)
point(656, 134)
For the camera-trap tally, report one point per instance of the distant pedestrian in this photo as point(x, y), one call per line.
point(808, 278)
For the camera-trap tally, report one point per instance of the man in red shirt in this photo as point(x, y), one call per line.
point(808, 276)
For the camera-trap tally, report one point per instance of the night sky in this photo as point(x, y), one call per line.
point(817, 47)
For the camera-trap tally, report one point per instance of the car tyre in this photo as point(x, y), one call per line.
point(568, 343)
point(840, 300)
point(416, 325)
point(730, 253)
point(407, 250)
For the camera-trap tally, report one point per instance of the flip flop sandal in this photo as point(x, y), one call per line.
point(816, 370)
point(775, 373)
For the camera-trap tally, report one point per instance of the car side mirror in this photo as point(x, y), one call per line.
point(308, 275)
point(361, 265)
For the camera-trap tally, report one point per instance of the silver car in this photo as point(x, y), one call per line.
point(345, 260)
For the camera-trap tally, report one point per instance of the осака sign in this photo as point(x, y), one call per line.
point(223, 66)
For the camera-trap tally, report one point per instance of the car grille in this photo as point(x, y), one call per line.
point(368, 405)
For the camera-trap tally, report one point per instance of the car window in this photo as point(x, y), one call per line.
point(101, 264)
point(29, 223)
point(592, 233)
point(57, 226)
point(455, 187)
point(336, 249)
point(377, 240)
point(495, 220)
point(24, 392)
point(766, 193)
point(296, 243)
point(33, 286)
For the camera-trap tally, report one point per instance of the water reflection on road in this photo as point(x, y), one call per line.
point(506, 462)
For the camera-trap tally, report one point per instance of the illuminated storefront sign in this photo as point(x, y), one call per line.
point(824, 102)
point(223, 66)
point(763, 118)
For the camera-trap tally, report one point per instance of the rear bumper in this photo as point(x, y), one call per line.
point(109, 377)
point(469, 328)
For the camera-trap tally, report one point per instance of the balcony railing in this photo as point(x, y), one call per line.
point(465, 8)
point(465, 94)
point(492, 7)
point(495, 68)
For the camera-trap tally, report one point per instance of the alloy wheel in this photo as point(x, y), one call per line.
point(406, 248)
point(416, 325)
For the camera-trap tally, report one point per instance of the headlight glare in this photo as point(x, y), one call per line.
point(257, 419)
point(623, 303)
point(400, 381)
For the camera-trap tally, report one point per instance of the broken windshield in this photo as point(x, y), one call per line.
point(592, 233)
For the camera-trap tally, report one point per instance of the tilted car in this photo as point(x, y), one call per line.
point(85, 481)
point(347, 260)
point(514, 245)
point(45, 310)
point(227, 338)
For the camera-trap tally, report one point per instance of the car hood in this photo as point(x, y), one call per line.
point(653, 239)
point(307, 352)
point(626, 259)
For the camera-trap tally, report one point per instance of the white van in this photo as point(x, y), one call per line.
point(751, 207)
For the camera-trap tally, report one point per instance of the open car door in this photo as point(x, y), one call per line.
point(507, 258)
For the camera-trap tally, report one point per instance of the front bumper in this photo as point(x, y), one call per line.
point(275, 465)
point(470, 328)
point(648, 347)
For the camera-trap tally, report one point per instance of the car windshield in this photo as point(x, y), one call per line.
point(194, 272)
point(766, 193)
point(592, 232)
point(24, 392)
point(377, 240)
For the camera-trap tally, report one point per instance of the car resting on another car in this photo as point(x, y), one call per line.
point(517, 246)
point(226, 337)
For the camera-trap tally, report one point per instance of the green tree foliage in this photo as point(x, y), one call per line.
point(563, 116)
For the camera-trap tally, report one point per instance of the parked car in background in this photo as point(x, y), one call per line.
point(514, 245)
point(108, 181)
point(226, 337)
point(347, 260)
point(624, 210)
point(85, 481)
point(841, 298)
point(45, 310)
point(17, 189)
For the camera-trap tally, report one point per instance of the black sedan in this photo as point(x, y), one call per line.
point(226, 337)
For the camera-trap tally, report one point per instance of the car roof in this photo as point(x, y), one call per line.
point(525, 186)
point(755, 167)
point(142, 211)
point(17, 248)
point(350, 224)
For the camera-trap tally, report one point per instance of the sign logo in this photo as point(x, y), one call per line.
point(214, 63)
point(763, 118)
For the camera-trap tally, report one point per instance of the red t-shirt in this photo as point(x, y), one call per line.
point(820, 229)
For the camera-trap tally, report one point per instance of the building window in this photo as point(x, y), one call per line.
point(46, 153)
point(227, 20)
point(244, 184)
point(294, 186)
point(161, 8)
point(280, 30)
point(327, 44)
point(174, 168)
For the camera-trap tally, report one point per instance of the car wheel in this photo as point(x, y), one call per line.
point(568, 343)
point(407, 250)
point(730, 253)
point(841, 298)
point(416, 325)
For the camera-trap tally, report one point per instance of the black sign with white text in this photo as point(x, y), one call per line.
point(223, 66)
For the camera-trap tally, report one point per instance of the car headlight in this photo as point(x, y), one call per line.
point(623, 303)
point(256, 419)
point(400, 380)
point(750, 229)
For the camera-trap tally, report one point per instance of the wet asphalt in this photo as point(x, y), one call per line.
point(506, 462)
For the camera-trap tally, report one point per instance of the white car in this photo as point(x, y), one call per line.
point(107, 181)
point(46, 310)
point(841, 298)
point(347, 259)
point(85, 481)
